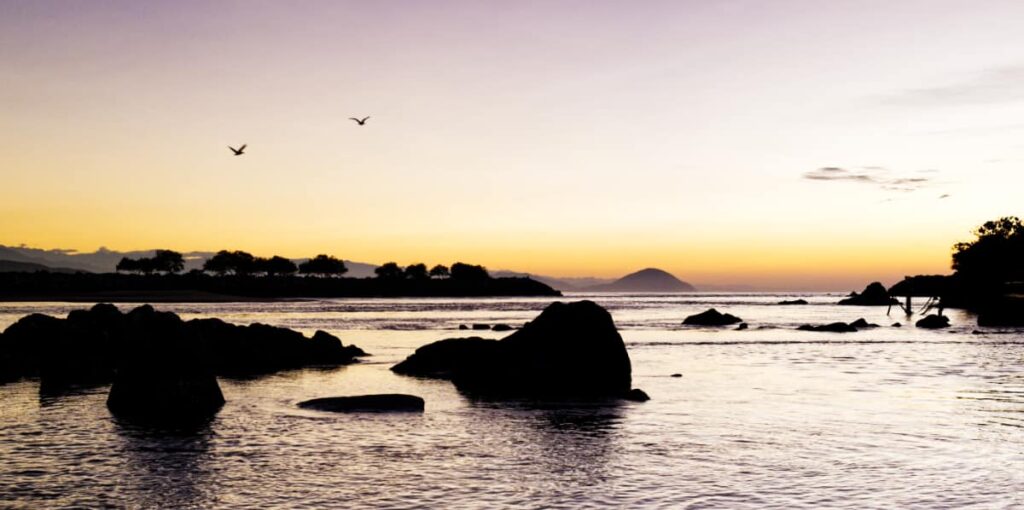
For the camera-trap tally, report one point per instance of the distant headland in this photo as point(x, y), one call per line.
point(237, 275)
point(645, 280)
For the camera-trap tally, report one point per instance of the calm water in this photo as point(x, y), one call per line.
point(762, 418)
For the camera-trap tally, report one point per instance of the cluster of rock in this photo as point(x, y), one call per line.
point(158, 363)
point(840, 327)
point(872, 295)
point(570, 351)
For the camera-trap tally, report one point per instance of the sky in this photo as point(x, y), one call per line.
point(788, 144)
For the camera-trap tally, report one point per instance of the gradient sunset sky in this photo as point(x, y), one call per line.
point(784, 144)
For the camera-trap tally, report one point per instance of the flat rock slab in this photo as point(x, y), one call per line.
point(386, 403)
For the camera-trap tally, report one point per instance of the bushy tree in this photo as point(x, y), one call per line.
point(276, 265)
point(996, 255)
point(323, 265)
point(237, 262)
point(417, 272)
point(439, 271)
point(462, 271)
point(127, 265)
point(389, 271)
point(168, 261)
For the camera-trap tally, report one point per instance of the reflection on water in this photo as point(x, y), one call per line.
point(768, 417)
point(164, 465)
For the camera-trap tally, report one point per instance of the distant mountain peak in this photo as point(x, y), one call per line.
point(649, 279)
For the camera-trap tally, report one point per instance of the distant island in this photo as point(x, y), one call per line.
point(237, 275)
point(645, 280)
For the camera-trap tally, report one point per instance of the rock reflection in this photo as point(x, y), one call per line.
point(166, 466)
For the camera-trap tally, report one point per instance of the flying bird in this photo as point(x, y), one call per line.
point(361, 121)
point(239, 151)
point(946, 195)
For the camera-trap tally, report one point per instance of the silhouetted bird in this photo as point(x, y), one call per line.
point(239, 151)
point(361, 121)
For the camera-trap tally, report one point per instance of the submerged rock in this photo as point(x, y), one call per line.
point(392, 402)
point(872, 295)
point(933, 322)
point(835, 327)
point(570, 350)
point(711, 317)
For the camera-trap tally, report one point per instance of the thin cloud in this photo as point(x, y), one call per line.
point(997, 85)
point(877, 176)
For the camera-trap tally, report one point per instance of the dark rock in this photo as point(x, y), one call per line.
point(1006, 313)
point(637, 395)
point(794, 302)
point(463, 327)
point(742, 326)
point(676, 375)
point(441, 359)
point(161, 371)
point(367, 403)
point(897, 325)
point(863, 324)
point(502, 327)
point(933, 322)
point(571, 350)
point(481, 327)
point(835, 327)
point(88, 346)
point(711, 317)
point(873, 295)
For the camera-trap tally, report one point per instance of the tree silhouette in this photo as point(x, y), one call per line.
point(276, 265)
point(461, 271)
point(417, 272)
point(168, 261)
point(389, 271)
point(237, 262)
point(439, 271)
point(127, 265)
point(996, 256)
point(323, 265)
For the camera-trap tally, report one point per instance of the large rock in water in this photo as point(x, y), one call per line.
point(711, 317)
point(873, 295)
point(162, 373)
point(393, 402)
point(571, 350)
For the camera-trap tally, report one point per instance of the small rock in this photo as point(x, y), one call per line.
point(480, 327)
point(862, 324)
point(794, 302)
point(742, 326)
point(835, 327)
point(393, 402)
point(676, 375)
point(711, 317)
point(897, 325)
point(637, 395)
point(502, 327)
point(933, 322)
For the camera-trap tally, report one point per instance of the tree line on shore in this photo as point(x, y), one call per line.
point(242, 263)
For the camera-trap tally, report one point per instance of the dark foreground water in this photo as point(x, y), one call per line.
point(763, 418)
